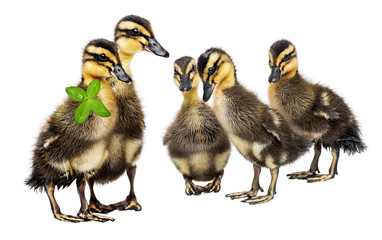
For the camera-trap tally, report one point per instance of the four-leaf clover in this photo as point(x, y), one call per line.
point(88, 101)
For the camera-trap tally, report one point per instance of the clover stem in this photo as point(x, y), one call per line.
point(108, 83)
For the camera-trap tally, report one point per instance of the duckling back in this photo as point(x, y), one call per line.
point(260, 133)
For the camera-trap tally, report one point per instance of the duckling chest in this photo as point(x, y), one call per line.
point(130, 122)
point(103, 126)
point(91, 159)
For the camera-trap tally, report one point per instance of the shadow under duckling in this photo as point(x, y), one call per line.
point(65, 150)
point(259, 133)
point(313, 110)
point(197, 143)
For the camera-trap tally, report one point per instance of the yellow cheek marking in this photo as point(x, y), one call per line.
point(283, 53)
point(290, 67)
point(142, 40)
point(128, 25)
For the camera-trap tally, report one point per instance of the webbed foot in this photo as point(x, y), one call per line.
point(68, 218)
point(97, 207)
point(130, 203)
point(192, 189)
point(319, 178)
point(258, 200)
point(88, 216)
point(247, 194)
point(301, 175)
point(213, 187)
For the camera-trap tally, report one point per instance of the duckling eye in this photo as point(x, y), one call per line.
point(211, 70)
point(192, 68)
point(176, 72)
point(287, 57)
point(135, 32)
point(102, 57)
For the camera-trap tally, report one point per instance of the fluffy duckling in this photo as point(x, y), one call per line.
point(259, 133)
point(312, 109)
point(133, 34)
point(66, 150)
point(197, 143)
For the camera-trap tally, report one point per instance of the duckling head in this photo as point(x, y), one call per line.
point(282, 60)
point(134, 34)
point(215, 67)
point(185, 76)
point(101, 60)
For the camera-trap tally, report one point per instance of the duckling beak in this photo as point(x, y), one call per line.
point(208, 89)
point(275, 74)
point(185, 83)
point(119, 73)
point(154, 46)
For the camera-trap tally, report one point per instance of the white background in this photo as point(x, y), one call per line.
point(338, 43)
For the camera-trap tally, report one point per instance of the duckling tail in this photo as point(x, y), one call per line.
point(351, 142)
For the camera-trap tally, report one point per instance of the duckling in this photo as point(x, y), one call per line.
point(65, 150)
point(132, 34)
point(259, 132)
point(313, 110)
point(197, 143)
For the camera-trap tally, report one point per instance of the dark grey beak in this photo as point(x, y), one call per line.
point(185, 83)
point(119, 73)
point(154, 47)
point(208, 89)
point(275, 75)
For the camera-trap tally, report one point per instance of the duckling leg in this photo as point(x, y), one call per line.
point(84, 210)
point(313, 166)
point(49, 188)
point(332, 169)
point(271, 190)
point(130, 203)
point(191, 188)
point(255, 186)
point(215, 185)
point(94, 205)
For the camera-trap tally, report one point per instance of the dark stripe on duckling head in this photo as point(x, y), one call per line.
point(279, 46)
point(183, 63)
point(136, 19)
point(103, 43)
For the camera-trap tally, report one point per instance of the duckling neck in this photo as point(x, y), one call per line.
point(126, 60)
point(227, 82)
point(289, 75)
point(191, 95)
point(87, 79)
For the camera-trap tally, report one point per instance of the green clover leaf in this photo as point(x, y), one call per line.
point(96, 105)
point(82, 112)
point(77, 94)
point(93, 88)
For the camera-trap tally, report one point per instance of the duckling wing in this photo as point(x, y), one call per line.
point(327, 112)
point(272, 121)
point(325, 104)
